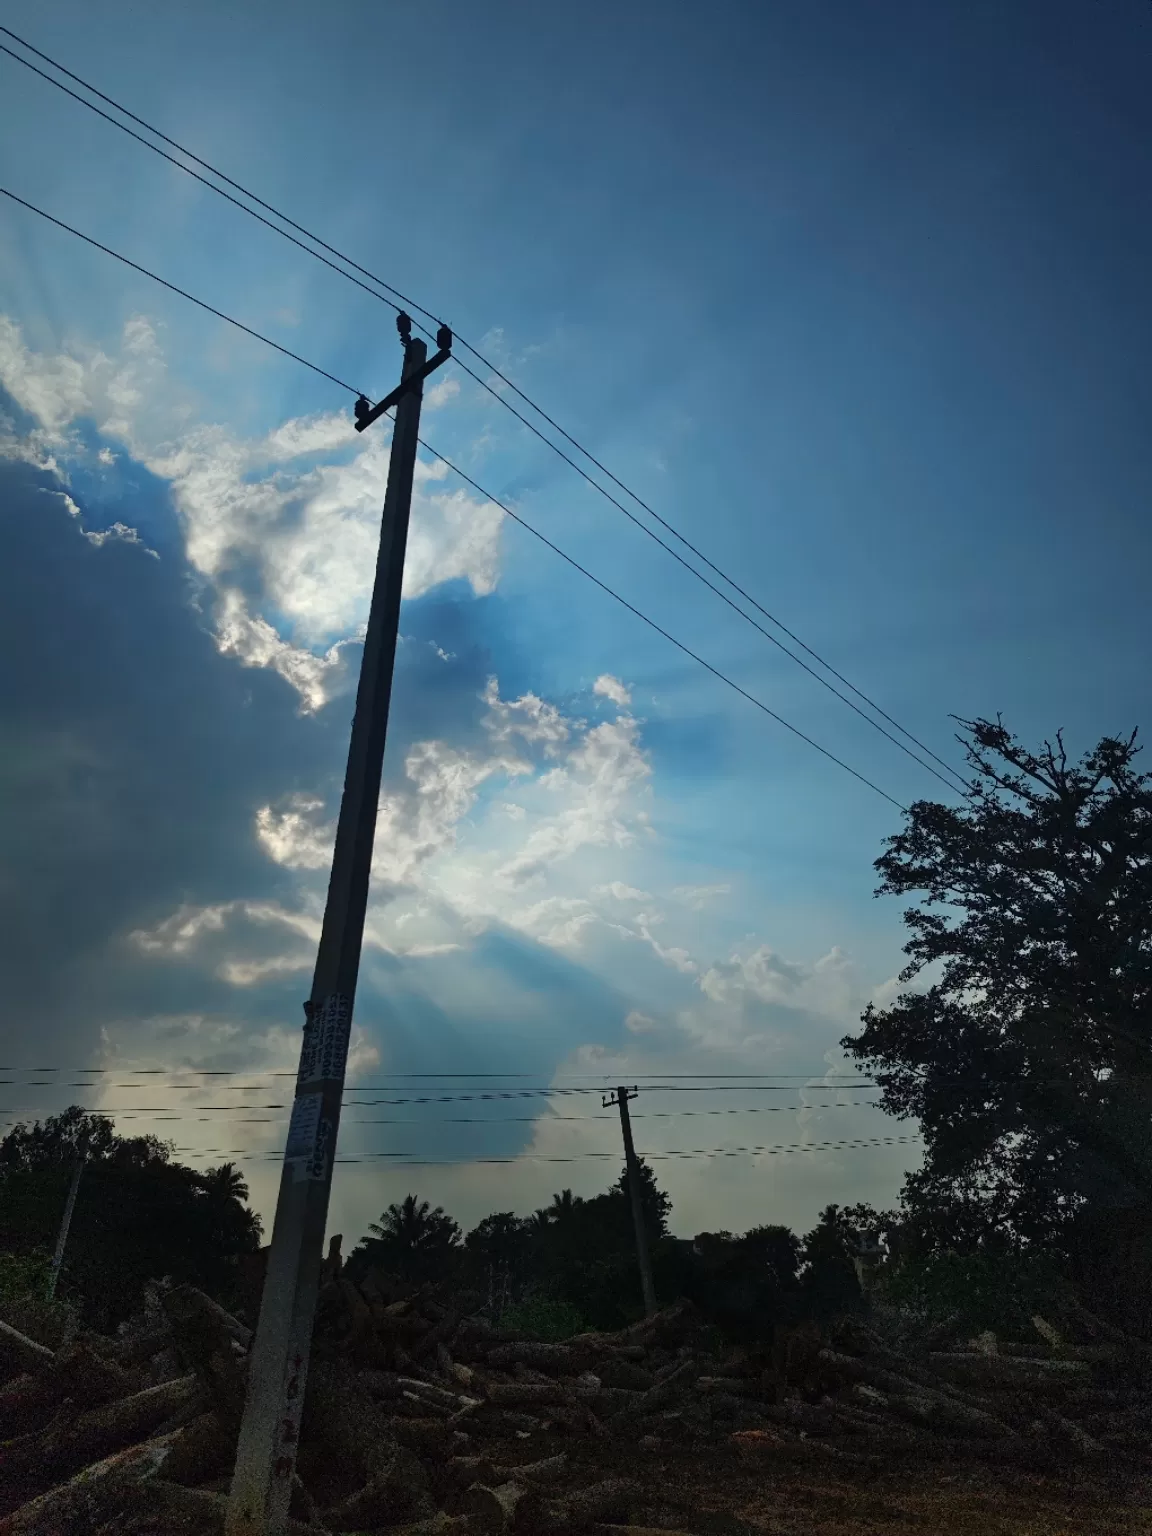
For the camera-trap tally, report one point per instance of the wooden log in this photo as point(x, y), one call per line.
point(1073, 1435)
point(466, 1470)
point(664, 1390)
point(545, 1471)
point(32, 1356)
point(400, 1494)
point(85, 1378)
point(86, 1438)
point(577, 1417)
point(433, 1393)
point(820, 1418)
point(363, 1329)
point(146, 1345)
point(612, 1497)
point(425, 1436)
point(206, 1507)
point(412, 1407)
point(439, 1524)
point(910, 1371)
point(555, 1359)
point(734, 1386)
point(186, 1301)
point(1007, 1368)
point(600, 1529)
point(201, 1451)
point(78, 1504)
point(205, 1336)
point(938, 1412)
point(493, 1509)
point(625, 1373)
point(528, 1393)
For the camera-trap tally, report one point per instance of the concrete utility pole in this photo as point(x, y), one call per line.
point(278, 1364)
point(66, 1222)
point(621, 1100)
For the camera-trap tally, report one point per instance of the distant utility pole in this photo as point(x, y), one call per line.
point(278, 1363)
point(621, 1100)
point(66, 1222)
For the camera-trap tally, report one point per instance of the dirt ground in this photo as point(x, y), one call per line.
point(753, 1493)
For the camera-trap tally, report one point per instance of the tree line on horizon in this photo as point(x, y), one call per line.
point(1021, 1044)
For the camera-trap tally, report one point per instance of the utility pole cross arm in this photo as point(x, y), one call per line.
point(366, 413)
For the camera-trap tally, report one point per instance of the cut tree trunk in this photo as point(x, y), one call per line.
point(32, 1356)
point(493, 1509)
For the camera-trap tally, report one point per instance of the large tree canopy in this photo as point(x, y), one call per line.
point(1026, 1051)
point(139, 1215)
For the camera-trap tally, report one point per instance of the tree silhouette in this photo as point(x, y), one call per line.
point(139, 1215)
point(1027, 1055)
point(412, 1238)
point(563, 1206)
point(225, 1183)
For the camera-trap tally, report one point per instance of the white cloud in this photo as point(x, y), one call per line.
point(311, 434)
point(535, 722)
point(292, 836)
point(762, 974)
point(599, 776)
point(441, 393)
point(417, 824)
point(621, 892)
point(699, 896)
point(310, 529)
point(52, 389)
point(610, 687)
point(253, 641)
point(638, 1023)
point(118, 533)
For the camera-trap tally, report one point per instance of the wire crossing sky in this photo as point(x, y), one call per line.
point(952, 782)
point(847, 312)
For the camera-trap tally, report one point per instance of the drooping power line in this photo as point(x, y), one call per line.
point(405, 1160)
point(954, 781)
point(493, 500)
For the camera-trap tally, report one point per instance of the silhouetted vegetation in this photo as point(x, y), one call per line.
point(140, 1214)
point(1025, 1052)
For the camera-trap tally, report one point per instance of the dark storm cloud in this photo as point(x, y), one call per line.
point(134, 757)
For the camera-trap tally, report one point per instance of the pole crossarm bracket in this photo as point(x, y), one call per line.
point(366, 413)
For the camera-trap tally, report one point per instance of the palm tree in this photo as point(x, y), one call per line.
point(563, 1205)
point(412, 1233)
point(226, 1183)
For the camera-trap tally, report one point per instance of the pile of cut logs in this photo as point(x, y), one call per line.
point(422, 1417)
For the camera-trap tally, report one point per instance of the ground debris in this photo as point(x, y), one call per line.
point(422, 1416)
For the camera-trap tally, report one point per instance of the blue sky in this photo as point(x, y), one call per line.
point(855, 296)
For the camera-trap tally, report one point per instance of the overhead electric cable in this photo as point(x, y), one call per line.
point(404, 1159)
point(494, 500)
point(167, 1117)
point(955, 782)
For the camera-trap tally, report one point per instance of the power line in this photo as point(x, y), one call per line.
point(955, 778)
point(445, 1098)
point(403, 1160)
point(164, 283)
point(451, 1076)
point(167, 1117)
point(494, 500)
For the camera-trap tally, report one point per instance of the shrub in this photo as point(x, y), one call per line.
point(982, 1290)
point(545, 1318)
